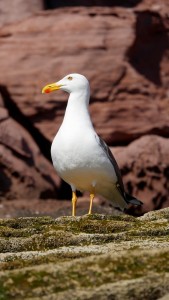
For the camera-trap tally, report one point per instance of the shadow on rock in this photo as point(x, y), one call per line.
point(151, 41)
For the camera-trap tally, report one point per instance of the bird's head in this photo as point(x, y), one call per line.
point(70, 83)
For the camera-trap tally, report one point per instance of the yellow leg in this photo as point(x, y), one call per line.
point(74, 200)
point(91, 202)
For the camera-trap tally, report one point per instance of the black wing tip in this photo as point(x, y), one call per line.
point(132, 200)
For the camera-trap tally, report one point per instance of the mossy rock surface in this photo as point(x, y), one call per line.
point(90, 257)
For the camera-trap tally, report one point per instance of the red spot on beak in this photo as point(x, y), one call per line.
point(47, 90)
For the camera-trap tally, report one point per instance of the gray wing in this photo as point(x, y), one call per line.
point(119, 184)
point(105, 148)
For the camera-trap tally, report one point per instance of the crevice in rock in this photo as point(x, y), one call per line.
point(52, 4)
point(15, 113)
point(151, 42)
point(127, 139)
point(44, 144)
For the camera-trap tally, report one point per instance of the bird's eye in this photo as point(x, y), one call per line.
point(70, 78)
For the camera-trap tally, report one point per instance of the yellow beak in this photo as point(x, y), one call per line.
point(51, 87)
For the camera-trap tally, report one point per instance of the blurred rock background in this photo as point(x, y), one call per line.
point(123, 49)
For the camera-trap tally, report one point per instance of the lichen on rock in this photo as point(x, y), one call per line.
point(88, 257)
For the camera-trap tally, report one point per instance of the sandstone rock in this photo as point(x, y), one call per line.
point(154, 5)
point(126, 102)
point(24, 171)
point(12, 11)
point(145, 168)
point(51, 207)
point(90, 257)
point(123, 52)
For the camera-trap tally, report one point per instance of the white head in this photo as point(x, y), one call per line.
point(70, 83)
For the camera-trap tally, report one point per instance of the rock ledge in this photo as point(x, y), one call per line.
point(85, 257)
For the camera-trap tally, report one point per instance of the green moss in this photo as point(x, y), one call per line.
point(14, 263)
point(162, 214)
point(26, 222)
point(46, 233)
point(77, 261)
point(3, 292)
point(84, 273)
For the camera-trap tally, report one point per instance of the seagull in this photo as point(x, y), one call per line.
point(79, 155)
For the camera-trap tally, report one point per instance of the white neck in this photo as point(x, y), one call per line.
point(77, 112)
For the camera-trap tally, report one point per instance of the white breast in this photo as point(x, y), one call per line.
point(79, 160)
